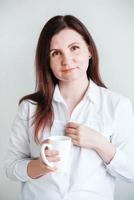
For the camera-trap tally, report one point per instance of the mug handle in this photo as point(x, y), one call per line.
point(43, 156)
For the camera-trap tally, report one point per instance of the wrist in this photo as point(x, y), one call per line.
point(105, 149)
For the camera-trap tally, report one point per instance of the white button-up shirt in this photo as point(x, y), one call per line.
point(89, 177)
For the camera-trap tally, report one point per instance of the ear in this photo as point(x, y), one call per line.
point(90, 51)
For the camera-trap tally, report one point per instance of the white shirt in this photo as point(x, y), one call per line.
point(90, 178)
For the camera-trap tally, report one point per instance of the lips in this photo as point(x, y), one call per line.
point(70, 69)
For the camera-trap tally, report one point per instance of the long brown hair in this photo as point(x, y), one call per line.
point(45, 80)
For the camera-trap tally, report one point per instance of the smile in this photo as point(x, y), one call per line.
point(70, 69)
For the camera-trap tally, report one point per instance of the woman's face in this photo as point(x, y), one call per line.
point(69, 56)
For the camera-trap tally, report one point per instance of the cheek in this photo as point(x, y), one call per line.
point(54, 70)
point(84, 60)
point(55, 63)
point(53, 66)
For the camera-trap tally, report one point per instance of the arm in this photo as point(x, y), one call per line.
point(87, 137)
point(37, 168)
point(18, 154)
point(122, 164)
point(117, 154)
point(19, 165)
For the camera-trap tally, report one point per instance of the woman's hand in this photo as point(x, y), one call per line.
point(82, 135)
point(86, 137)
point(37, 168)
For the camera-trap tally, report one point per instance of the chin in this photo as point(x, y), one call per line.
point(72, 79)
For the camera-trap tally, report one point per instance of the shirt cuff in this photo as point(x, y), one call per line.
point(116, 160)
point(20, 171)
point(119, 166)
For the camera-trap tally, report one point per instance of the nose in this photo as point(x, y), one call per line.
point(66, 60)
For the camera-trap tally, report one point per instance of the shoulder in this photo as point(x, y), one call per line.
point(114, 100)
point(112, 96)
point(26, 108)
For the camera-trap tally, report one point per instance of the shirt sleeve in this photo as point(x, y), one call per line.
point(122, 165)
point(18, 153)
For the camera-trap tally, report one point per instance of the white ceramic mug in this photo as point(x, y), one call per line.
point(64, 145)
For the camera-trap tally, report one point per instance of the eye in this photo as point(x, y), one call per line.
point(55, 53)
point(73, 48)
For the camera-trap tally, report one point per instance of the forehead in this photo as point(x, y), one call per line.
point(66, 37)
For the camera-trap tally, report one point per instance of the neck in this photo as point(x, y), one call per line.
point(75, 90)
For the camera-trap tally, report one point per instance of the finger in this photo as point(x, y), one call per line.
point(72, 136)
point(51, 152)
point(53, 159)
point(50, 169)
point(45, 167)
point(71, 130)
point(75, 142)
point(73, 125)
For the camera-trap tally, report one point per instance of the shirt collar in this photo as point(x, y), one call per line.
point(57, 95)
point(92, 93)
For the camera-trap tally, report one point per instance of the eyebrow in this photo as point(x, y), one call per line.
point(68, 46)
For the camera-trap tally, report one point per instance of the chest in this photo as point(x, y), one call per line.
point(84, 113)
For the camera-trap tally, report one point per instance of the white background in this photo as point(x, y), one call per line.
point(111, 23)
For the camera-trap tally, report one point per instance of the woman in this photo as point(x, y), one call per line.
point(71, 99)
